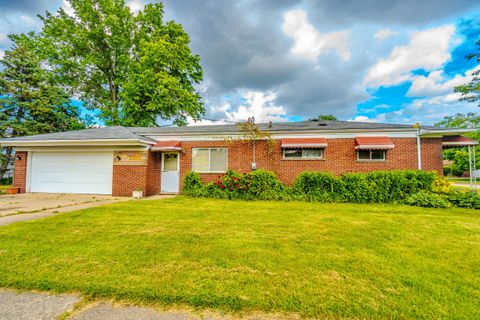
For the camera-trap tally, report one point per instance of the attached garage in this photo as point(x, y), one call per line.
point(71, 172)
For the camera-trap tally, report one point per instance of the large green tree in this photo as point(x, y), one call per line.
point(31, 100)
point(459, 156)
point(471, 91)
point(134, 68)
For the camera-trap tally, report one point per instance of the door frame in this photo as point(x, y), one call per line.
point(162, 169)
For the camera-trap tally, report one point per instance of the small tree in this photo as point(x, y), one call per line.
point(251, 132)
point(326, 117)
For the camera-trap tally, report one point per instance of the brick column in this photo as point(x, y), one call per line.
point(20, 171)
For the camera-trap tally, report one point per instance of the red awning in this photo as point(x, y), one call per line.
point(458, 141)
point(304, 143)
point(373, 143)
point(166, 146)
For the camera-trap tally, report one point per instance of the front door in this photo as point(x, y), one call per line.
point(170, 177)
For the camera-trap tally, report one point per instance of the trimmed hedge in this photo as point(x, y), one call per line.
point(419, 188)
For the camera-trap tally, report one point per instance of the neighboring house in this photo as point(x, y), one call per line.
point(118, 160)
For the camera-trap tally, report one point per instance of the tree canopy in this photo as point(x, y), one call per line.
point(31, 100)
point(327, 117)
point(471, 91)
point(133, 68)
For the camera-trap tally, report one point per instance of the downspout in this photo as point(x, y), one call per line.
point(419, 149)
point(470, 171)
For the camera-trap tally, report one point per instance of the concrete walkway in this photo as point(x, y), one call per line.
point(42, 306)
point(32, 206)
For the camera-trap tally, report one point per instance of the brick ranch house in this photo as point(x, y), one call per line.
point(119, 160)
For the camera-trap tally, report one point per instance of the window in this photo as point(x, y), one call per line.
point(371, 155)
point(300, 153)
point(209, 159)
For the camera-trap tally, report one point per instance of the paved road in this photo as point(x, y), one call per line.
point(39, 306)
point(42, 306)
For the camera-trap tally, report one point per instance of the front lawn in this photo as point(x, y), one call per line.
point(317, 260)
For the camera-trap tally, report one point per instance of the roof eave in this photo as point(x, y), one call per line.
point(444, 132)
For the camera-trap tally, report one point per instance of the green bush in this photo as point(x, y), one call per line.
point(447, 171)
point(468, 199)
point(192, 182)
point(317, 186)
point(418, 188)
point(441, 185)
point(428, 200)
point(263, 185)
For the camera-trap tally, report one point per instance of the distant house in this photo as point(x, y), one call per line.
point(118, 160)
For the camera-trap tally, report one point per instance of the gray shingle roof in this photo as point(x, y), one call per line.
point(142, 133)
point(104, 133)
point(320, 125)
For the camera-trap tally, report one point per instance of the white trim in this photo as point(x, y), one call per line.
point(459, 144)
point(209, 157)
point(306, 135)
point(82, 148)
point(165, 148)
point(375, 147)
point(28, 178)
point(304, 145)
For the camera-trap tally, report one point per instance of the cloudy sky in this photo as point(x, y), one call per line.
point(288, 60)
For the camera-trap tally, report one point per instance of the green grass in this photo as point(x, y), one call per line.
point(3, 188)
point(317, 260)
point(459, 180)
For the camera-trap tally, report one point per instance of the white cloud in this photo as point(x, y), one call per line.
point(435, 83)
point(427, 111)
point(27, 20)
point(384, 34)
point(2, 54)
point(260, 105)
point(378, 118)
point(427, 49)
point(4, 40)
point(67, 8)
point(309, 42)
point(136, 5)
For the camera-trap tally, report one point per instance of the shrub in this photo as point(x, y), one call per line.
point(6, 181)
point(447, 171)
point(468, 199)
point(263, 185)
point(373, 187)
point(192, 182)
point(428, 200)
point(317, 186)
point(441, 185)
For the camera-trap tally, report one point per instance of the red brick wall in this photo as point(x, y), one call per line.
point(20, 171)
point(432, 154)
point(127, 178)
point(340, 157)
point(153, 173)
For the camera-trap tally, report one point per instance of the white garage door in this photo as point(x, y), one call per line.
point(71, 172)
